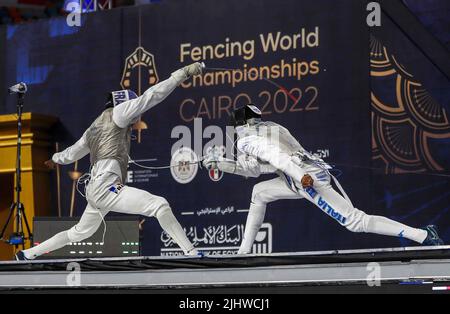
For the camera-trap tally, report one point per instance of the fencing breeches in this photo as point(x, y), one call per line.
point(105, 194)
point(355, 220)
point(263, 193)
point(329, 201)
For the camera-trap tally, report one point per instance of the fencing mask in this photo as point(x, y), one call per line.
point(249, 114)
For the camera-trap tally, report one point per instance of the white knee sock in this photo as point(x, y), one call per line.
point(56, 242)
point(255, 219)
point(171, 225)
point(385, 226)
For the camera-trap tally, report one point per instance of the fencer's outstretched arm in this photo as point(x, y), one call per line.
point(127, 112)
point(261, 149)
point(246, 166)
point(72, 153)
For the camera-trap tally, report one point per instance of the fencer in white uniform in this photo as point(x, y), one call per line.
point(107, 141)
point(267, 147)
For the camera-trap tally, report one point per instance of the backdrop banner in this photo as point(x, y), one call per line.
point(310, 66)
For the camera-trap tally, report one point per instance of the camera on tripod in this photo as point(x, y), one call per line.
point(18, 237)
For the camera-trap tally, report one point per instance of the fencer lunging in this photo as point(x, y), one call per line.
point(266, 147)
point(107, 141)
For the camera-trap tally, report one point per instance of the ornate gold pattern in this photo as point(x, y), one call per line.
point(402, 129)
point(139, 59)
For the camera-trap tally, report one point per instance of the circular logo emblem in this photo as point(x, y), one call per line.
point(184, 165)
point(217, 152)
point(215, 175)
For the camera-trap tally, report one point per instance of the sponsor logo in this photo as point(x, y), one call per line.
point(215, 152)
point(216, 211)
point(212, 211)
point(219, 240)
point(141, 176)
point(130, 176)
point(215, 175)
point(137, 175)
point(330, 211)
point(184, 165)
point(263, 242)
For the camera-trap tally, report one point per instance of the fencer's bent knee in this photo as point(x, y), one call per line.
point(162, 207)
point(358, 221)
point(76, 235)
point(260, 195)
